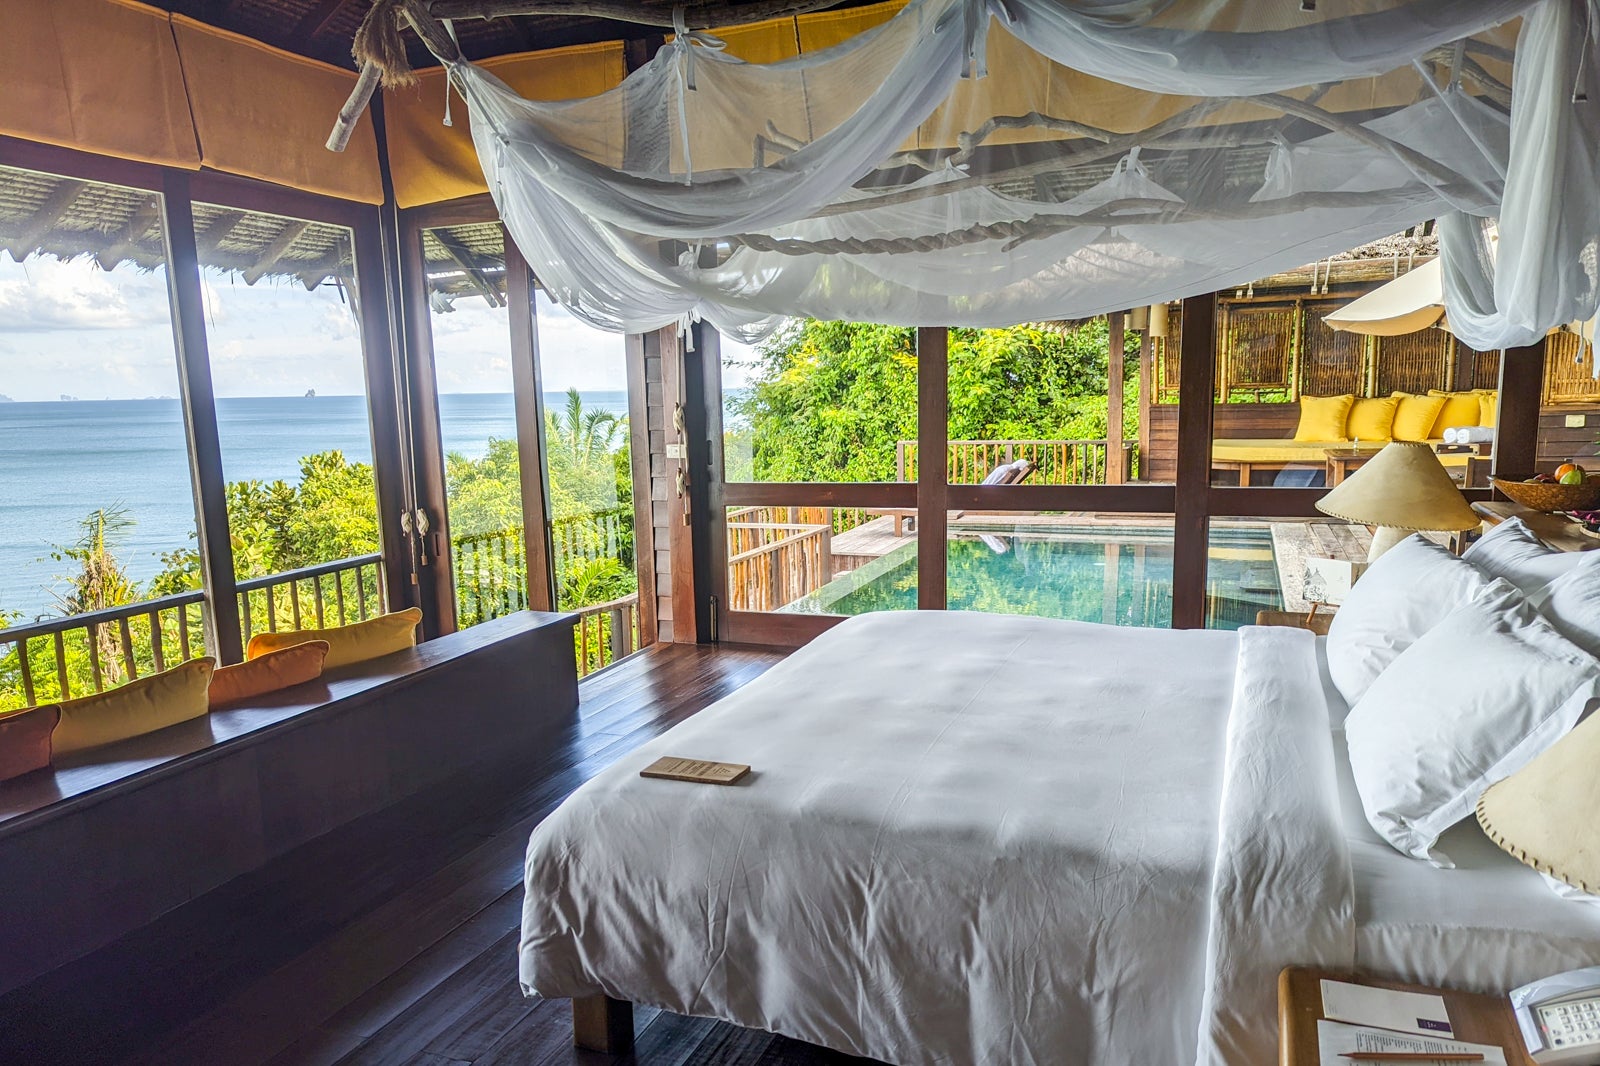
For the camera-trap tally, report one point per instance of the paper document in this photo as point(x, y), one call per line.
point(1336, 1038)
point(1409, 1012)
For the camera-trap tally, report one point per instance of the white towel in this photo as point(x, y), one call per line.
point(1469, 435)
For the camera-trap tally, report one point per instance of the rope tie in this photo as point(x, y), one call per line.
point(977, 15)
point(685, 41)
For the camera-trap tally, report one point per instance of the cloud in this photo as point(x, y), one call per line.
point(47, 295)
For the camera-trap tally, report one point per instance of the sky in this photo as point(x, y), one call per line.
point(74, 329)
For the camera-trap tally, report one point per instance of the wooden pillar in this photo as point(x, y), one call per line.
point(1147, 358)
point(1516, 438)
point(1191, 522)
point(527, 389)
point(435, 587)
point(640, 459)
point(708, 514)
point(1116, 469)
point(603, 1024)
point(198, 399)
point(689, 466)
point(933, 429)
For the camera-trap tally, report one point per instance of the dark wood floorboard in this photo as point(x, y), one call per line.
point(393, 939)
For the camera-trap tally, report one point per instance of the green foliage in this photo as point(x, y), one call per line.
point(829, 400)
point(331, 513)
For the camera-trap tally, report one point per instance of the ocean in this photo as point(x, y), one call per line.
point(60, 461)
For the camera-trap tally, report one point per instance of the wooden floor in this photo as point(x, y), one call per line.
point(392, 940)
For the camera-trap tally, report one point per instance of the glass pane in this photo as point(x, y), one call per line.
point(820, 402)
point(585, 381)
point(477, 418)
point(95, 494)
point(821, 560)
point(1034, 404)
point(1310, 559)
point(286, 362)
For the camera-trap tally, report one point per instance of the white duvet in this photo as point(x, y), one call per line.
point(970, 839)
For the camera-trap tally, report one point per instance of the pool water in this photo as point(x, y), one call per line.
point(1119, 575)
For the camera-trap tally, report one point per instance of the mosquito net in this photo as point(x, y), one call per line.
point(987, 162)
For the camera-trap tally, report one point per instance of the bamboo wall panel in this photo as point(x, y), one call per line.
point(1485, 371)
point(1257, 351)
point(1569, 370)
point(1164, 359)
point(1414, 362)
point(1331, 363)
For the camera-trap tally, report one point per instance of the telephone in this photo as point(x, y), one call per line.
point(1560, 1018)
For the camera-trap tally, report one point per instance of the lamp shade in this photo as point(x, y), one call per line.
point(1403, 487)
point(1544, 813)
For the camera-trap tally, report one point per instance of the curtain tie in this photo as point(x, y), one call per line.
point(978, 13)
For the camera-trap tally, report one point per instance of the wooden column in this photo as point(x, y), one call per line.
point(933, 429)
point(1147, 357)
point(680, 508)
point(527, 387)
point(1115, 468)
point(223, 637)
point(435, 584)
point(1516, 438)
point(707, 515)
point(1191, 522)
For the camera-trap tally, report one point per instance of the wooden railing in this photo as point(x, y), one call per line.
point(61, 658)
point(606, 632)
point(771, 564)
point(1059, 462)
point(491, 569)
point(314, 597)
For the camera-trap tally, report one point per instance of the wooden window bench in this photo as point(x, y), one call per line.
point(106, 841)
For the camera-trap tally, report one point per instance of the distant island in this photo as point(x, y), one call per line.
point(311, 394)
point(6, 399)
point(67, 399)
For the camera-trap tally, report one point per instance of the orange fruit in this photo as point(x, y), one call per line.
point(1566, 468)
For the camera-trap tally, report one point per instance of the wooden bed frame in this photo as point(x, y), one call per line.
point(600, 1023)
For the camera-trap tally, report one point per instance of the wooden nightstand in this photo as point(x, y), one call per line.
point(1318, 623)
point(1478, 1019)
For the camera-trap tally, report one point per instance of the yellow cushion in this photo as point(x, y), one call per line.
point(1323, 417)
point(1488, 408)
point(383, 635)
point(1460, 409)
point(269, 673)
point(141, 706)
point(1414, 418)
point(1372, 419)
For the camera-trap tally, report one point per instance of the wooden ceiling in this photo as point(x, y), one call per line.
point(323, 29)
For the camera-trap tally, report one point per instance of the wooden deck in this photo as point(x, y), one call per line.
point(391, 940)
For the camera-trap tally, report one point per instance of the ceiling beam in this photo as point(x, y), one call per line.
point(467, 261)
point(208, 240)
point(126, 240)
point(702, 15)
point(317, 19)
point(23, 242)
point(275, 251)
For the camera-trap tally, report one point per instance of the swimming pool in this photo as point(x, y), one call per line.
point(1091, 573)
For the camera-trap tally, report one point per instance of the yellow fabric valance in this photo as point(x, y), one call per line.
point(263, 113)
point(431, 162)
point(101, 76)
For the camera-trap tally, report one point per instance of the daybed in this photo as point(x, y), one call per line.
point(984, 839)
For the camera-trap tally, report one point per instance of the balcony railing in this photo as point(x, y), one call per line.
point(313, 597)
point(606, 632)
point(491, 568)
point(1059, 462)
point(771, 564)
point(61, 658)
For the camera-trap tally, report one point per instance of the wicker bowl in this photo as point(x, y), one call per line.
point(1543, 496)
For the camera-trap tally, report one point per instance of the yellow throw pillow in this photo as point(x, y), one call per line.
point(1323, 417)
point(1372, 419)
point(1460, 409)
point(1414, 418)
point(1488, 408)
point(269, 673)
point(141, 706)
point(356, 643)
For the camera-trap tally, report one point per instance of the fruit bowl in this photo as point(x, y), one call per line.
point(1549, 496)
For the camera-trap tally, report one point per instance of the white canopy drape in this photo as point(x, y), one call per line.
point(987, 162)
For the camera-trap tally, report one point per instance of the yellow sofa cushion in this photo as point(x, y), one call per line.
point(1372, 418)
point(1488, 408)
point(355, 643)
point(267, 673)
point(1323, 417)
point(1460, 409)
point(1414, 418)
point(141, 706)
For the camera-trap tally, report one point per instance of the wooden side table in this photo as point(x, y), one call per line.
point(1318, 623)
point(1477, 1019)
point(1342, 462)
point(1559, 532)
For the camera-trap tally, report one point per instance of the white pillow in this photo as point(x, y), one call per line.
point(1572, 602)
point(1510, 550)
point(1407, 591)
point(1472, 702)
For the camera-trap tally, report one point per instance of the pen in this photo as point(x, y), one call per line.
point(1412, 1056)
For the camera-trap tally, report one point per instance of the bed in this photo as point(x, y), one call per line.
point(984, 839)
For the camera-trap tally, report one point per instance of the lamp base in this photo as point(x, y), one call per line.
point(1384, 538)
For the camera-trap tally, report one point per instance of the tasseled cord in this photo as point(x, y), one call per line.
point(378, 41)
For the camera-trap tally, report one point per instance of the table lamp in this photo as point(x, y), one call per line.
point(1401, 490)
